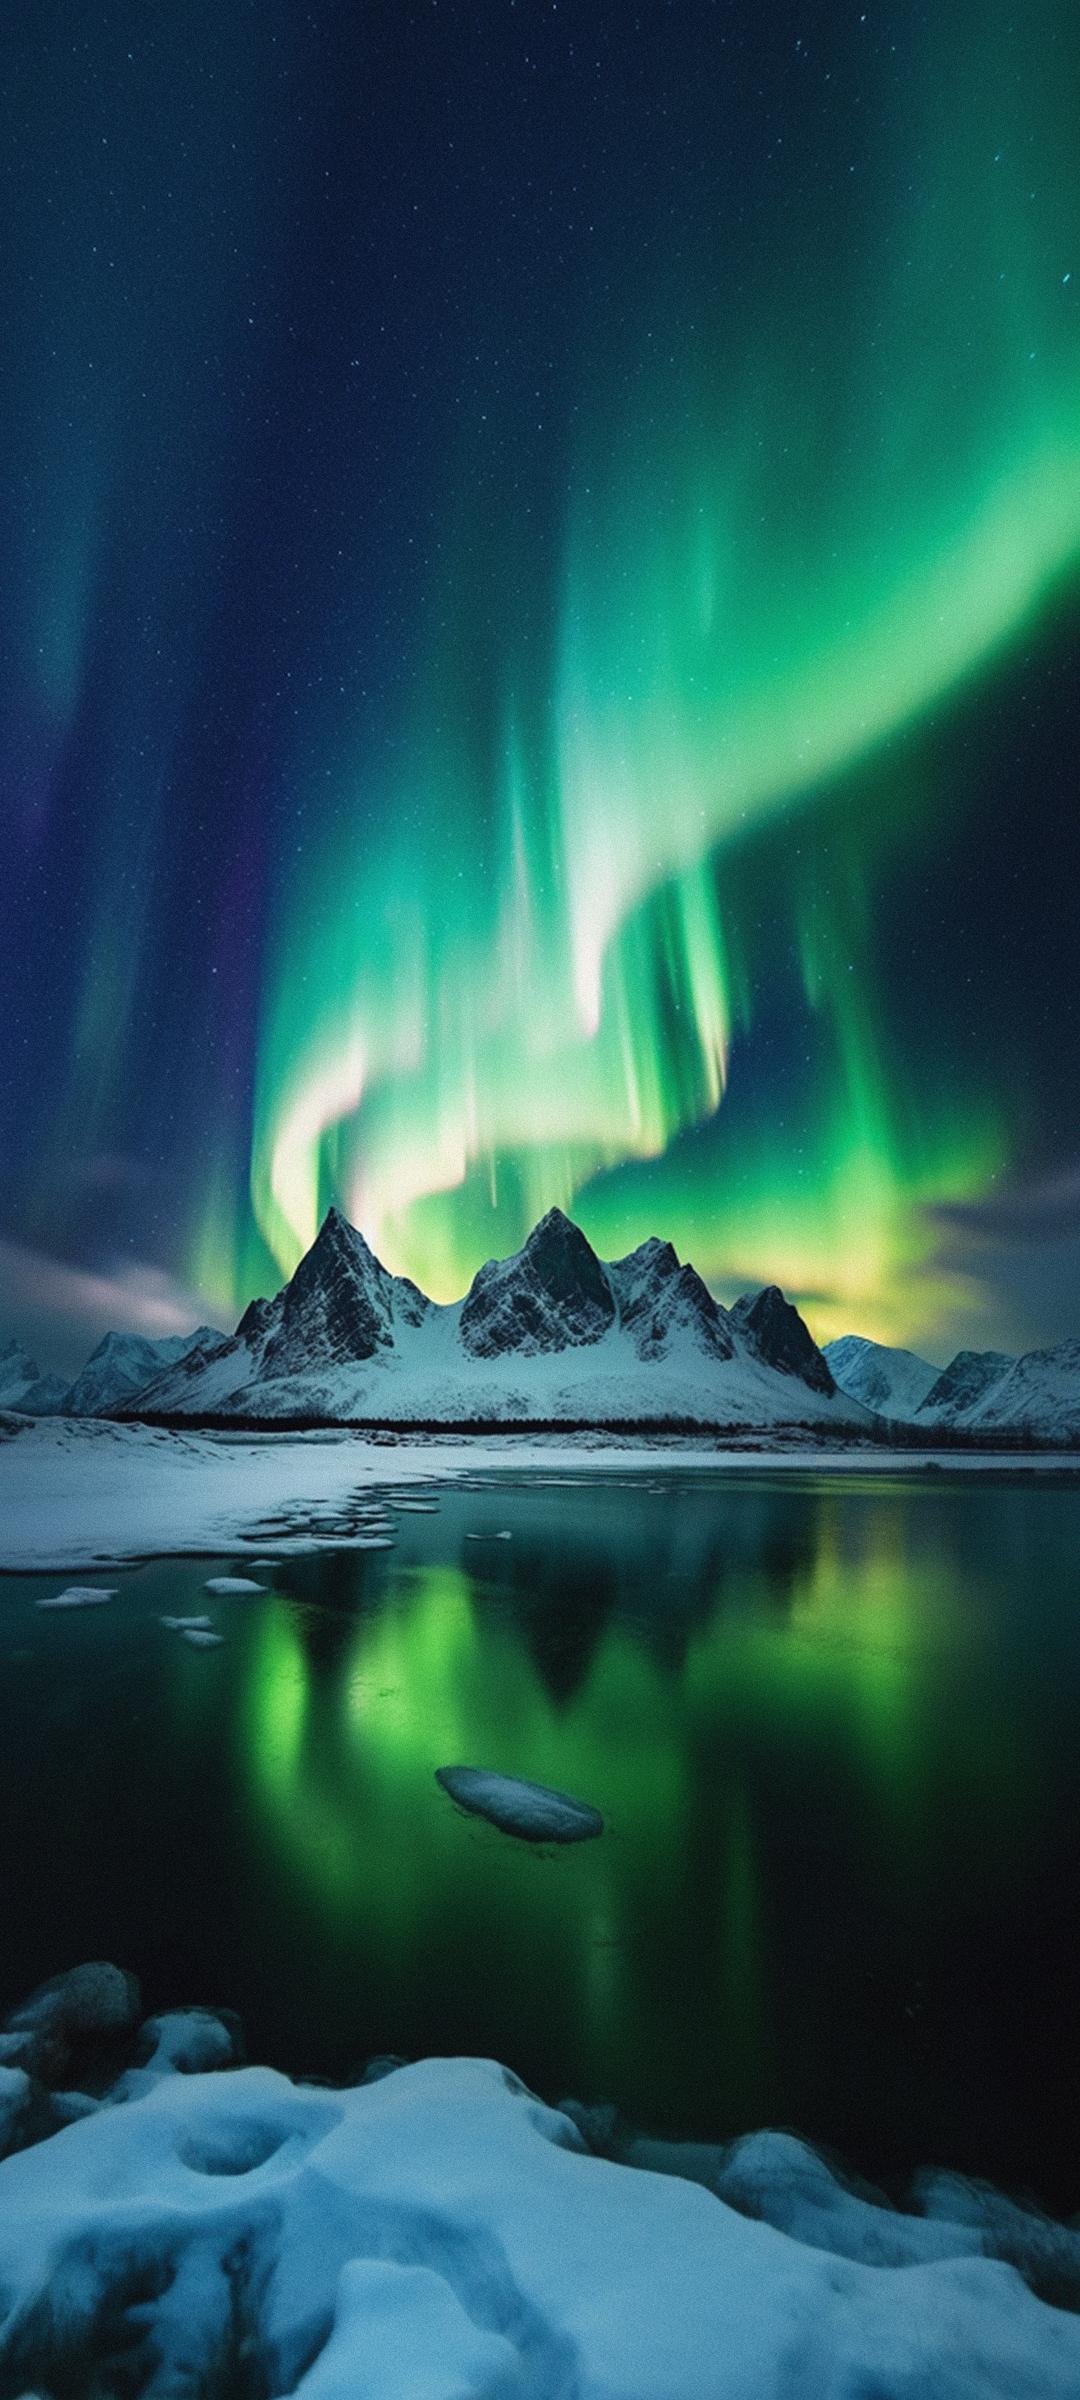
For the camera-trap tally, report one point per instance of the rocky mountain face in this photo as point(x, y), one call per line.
point(1037, 1397)
point(963, 1383)
point(894, 1382)
point(774, 1331)
point(984, 1393)
point(551, 1333)
point(551, 1295)
point(340, 1305)
point(658, 1300)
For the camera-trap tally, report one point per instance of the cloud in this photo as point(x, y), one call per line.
point(61, 1311)
point(1045, 1209)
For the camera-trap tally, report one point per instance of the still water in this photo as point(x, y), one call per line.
point(833, 1725)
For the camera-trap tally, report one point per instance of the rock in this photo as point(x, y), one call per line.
point(552, 1295)
point(15, 2096)
point(89, 2006)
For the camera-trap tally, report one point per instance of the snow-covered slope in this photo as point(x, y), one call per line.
point(963, 1384)
point(438, 2233)
point(123, 1363)
point(552, 1333)
point(1036, 1397)
point(986, 1393)
point(895, 1382)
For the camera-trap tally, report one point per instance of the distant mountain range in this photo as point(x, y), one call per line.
point(983, 1393)
point(552, 1335)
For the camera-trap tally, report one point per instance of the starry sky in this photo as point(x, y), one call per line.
point(540, 598)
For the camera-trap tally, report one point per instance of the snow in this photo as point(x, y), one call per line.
point(1038, 1394)
point(551, 1334)
point(532, 1811)
point(895, 1382)
point(79, 1494)
point(440, 2234)
point(124, 1362)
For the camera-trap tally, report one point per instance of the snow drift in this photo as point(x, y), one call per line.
point(437, 2233)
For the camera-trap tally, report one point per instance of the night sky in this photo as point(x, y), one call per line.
point(540, 613)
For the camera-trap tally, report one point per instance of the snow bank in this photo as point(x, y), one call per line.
point(441, 2235)
point(437, 2233)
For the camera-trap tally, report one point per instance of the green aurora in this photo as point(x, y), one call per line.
point(541, 613)
point(525, 961)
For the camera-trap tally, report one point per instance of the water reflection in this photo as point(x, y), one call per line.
point(830, 1727)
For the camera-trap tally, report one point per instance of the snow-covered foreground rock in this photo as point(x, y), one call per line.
point(440, 2234)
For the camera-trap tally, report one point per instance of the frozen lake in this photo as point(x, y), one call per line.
point(830, 1723)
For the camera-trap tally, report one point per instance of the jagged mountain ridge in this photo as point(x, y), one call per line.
point(553, 1332)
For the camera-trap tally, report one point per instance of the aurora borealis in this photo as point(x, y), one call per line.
point(540, 616)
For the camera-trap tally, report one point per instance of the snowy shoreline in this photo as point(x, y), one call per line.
point(78, 1493)
point(435, 2227)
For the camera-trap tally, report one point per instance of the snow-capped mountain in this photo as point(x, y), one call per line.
point(963, 1384)
point(1036, 1397)
point(552, 1334)
point(895, 1382)
point(122, 1364)
point(24, 1387)
point(984, 1393)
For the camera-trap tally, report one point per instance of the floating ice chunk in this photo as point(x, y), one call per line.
point(530, 1810)
point(201, 1637)
point(226, 1584)
point(79, 1595)
point(187, 1624)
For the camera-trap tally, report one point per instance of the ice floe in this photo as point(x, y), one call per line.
point(530, 1810)
point(77, 1595)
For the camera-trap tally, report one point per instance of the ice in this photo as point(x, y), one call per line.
point(187, 1624)
point(225, 1585)
point(83, 1493)
point(201, 1637)
point(78, 1595)
point(530, 1810)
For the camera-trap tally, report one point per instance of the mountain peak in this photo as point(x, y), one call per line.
point(773, 1329)
point(338, 1306)
point(552, 1294)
